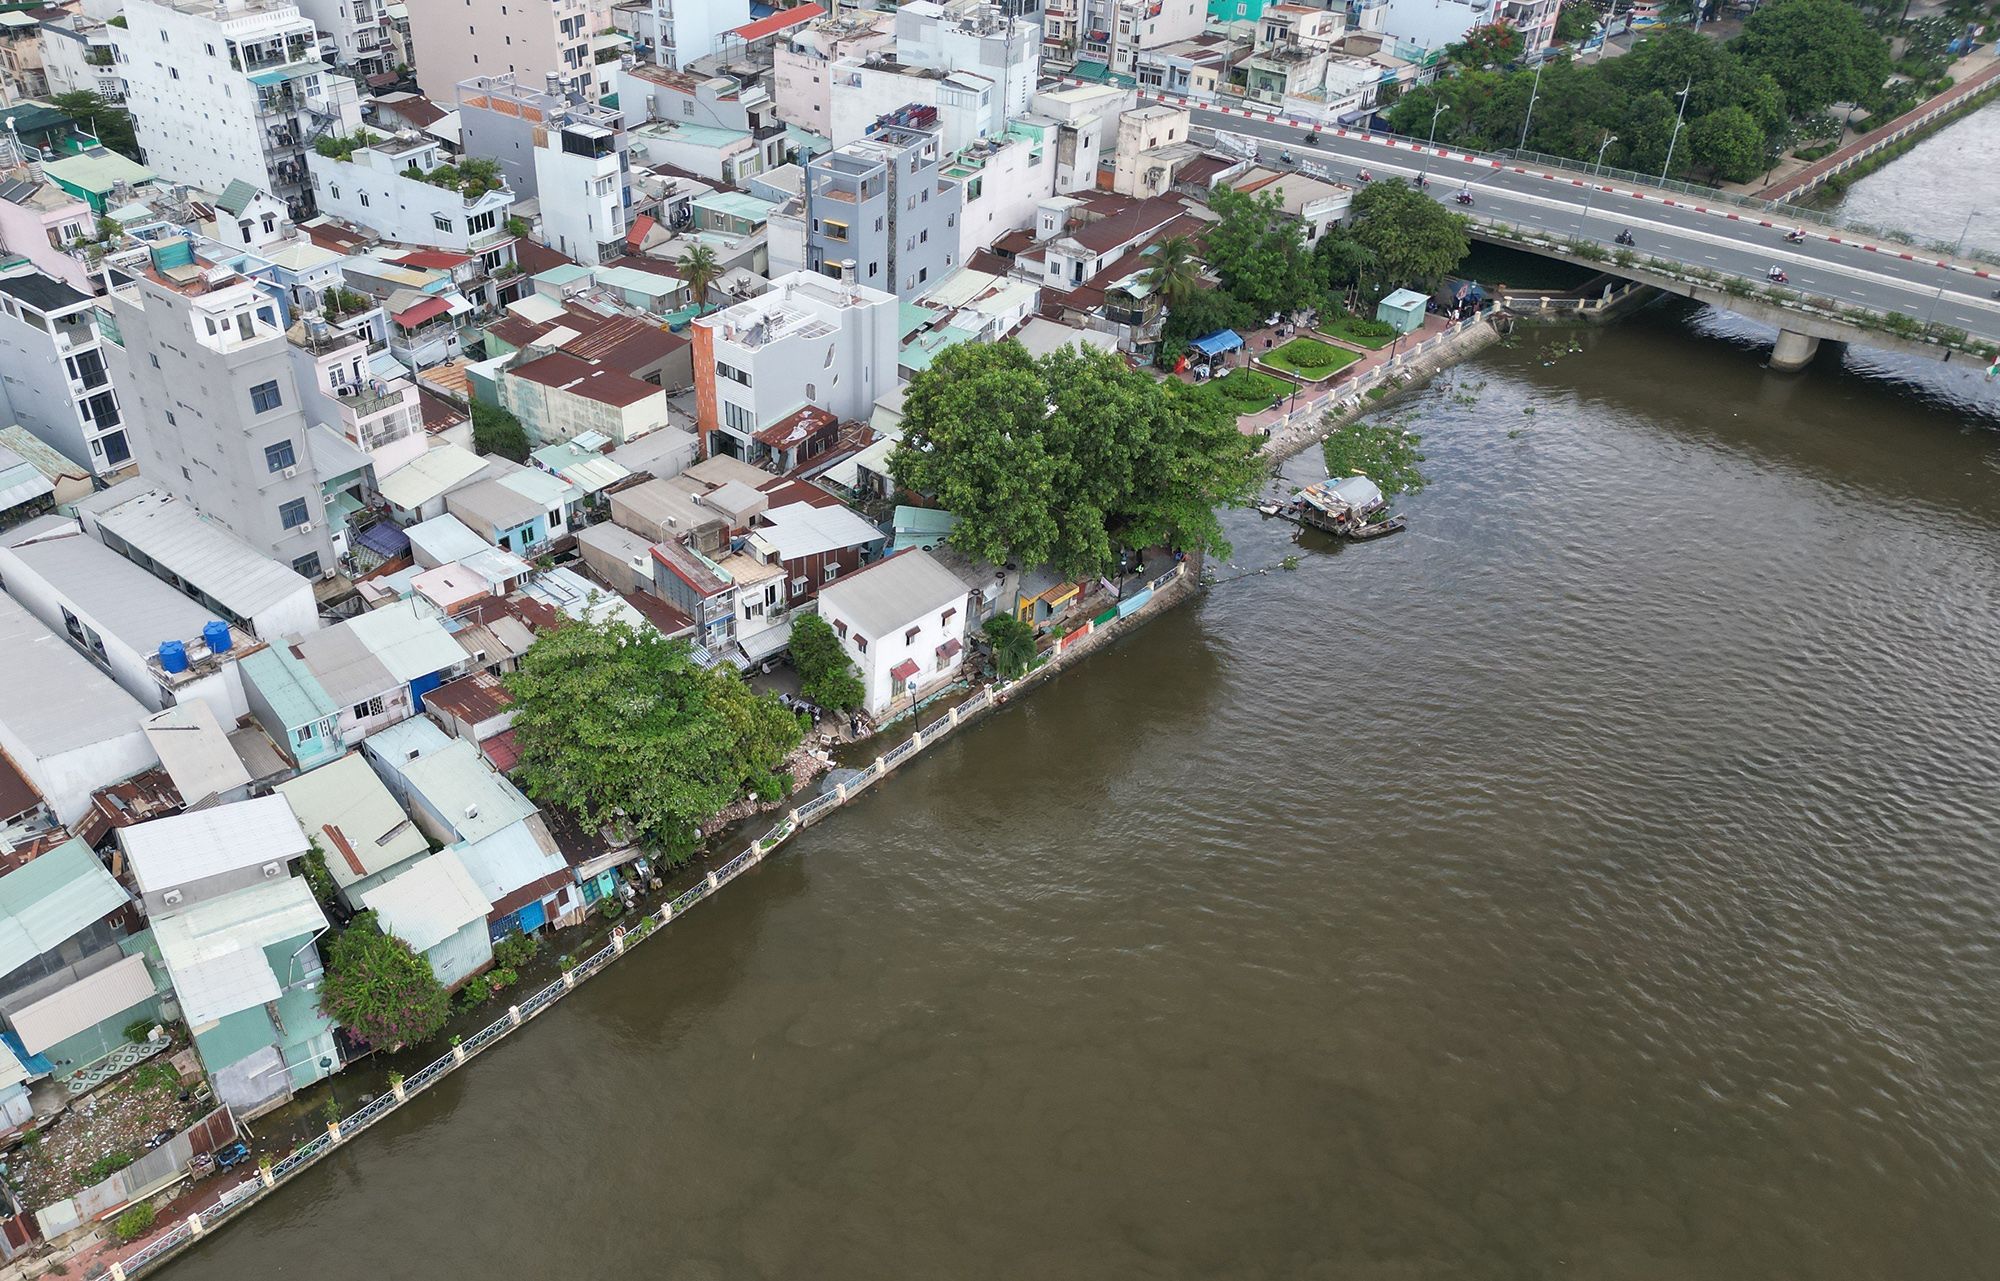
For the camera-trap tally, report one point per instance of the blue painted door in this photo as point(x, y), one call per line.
point(422, 686)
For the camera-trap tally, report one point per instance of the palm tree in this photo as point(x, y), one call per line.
point(1175, 275)
point(1013, 644)
point(700, 269)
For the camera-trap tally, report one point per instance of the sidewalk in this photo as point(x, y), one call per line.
point(1811, 175)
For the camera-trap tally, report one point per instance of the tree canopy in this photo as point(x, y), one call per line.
point(379, 989)
point(111, 123)
point(1259, 252)
point(612, 721)
point(1047, 460)
point(1818, 52)
point(1793, 58)
point(1404, 237)
point(826, 674)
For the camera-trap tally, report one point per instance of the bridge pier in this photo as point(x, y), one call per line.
point(1793, 352)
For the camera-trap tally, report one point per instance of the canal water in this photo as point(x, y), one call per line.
point(1598, 879)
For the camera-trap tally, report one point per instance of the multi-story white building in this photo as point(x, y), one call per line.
point(975, 36)
point(232, 91)
point(375, 188)
point(1087, 123)
point(902, 621)
point(581, 177)
point(200, 352)
point(801, 79)
point(674, 33)
point(456, 42)
point(354, 33)
point(1111, 33)
point(80, 55)
point(1002, 182)
point(338, 387)
point(809, 341)
point(54, 373)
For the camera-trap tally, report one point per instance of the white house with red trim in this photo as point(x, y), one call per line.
point(902, 621)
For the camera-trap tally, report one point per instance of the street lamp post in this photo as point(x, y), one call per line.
point(1683, 95)
point(1591, 194)
point(1957, 249)
point(1430, 146)
point(1532, 95)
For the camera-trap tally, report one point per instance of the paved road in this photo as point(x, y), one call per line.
point(1884, 278)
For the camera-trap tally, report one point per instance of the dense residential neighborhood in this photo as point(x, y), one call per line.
point(457, 465)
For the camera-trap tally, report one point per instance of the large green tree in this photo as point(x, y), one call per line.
point(1259, 251)
point(1817, 51)
point(826, 674)
point(1728, 143)
point(109, 122)
point(1049, 460)
point(379, 989)
point(1413, 238)
point(614, 722)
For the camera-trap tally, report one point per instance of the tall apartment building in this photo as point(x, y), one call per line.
point(201, 355)
point(54, 378)
point(354, 33)
point(882, 204)
point(809, 341)
point(674, 33)
point(457, 42)
point(232, 90)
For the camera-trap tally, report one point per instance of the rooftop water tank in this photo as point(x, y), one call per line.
point(215, 634)
point(173, 656)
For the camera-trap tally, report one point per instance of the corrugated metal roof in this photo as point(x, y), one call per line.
point(122, 599)
point(210, 557)
point(187, 847)
point(428, 904)
point(85, 1003)
point(891, 594)
point(802, 529)
point(53, 699)
point(346, 796)
point(53, 898)
point(464, 790)
point(196, 753)
point(538, 486)
point(444, 539)
point(507, 860)
point(288, 685)
point(215, 950)
point(408, 639)
point(406, 741)
point(437, 472)
point(20, 480)
point(344, 666)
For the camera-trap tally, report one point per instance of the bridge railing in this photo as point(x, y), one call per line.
point(1712, 195)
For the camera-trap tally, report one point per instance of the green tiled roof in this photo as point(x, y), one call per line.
point(236, 197)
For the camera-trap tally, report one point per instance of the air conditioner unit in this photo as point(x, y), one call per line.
point(306, 528)
point(472, 811)
point(274, 869)
point(171, 898)
point(291, 472)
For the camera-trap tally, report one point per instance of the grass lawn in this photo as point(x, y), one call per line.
point(1251, 391)
point(1343, 329)
point(1310, 359)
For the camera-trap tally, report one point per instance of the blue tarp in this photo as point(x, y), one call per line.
point(1217, 343)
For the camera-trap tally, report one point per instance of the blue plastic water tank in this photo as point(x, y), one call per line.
point(173, 656)
point(215, 634)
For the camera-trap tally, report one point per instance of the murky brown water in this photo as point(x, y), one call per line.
point(1599, 880)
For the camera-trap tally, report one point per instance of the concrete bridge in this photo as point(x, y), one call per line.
point(1840, 286)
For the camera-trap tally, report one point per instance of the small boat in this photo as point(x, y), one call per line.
point(1378, 529)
